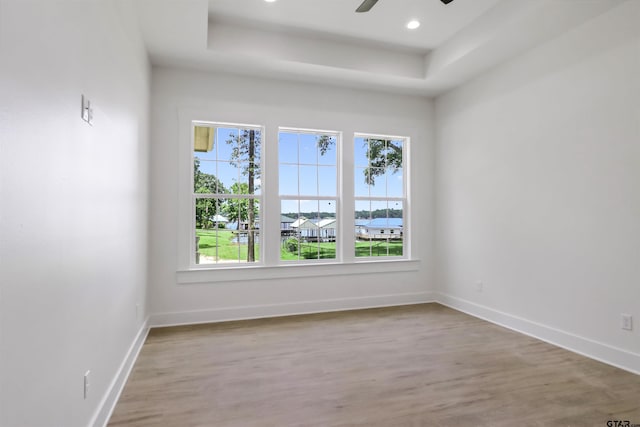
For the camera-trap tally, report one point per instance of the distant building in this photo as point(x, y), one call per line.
point(322, 230)
point(219, 219)
point(244, 225)
point(327, 229)
point(285, 222)
point(379, 229)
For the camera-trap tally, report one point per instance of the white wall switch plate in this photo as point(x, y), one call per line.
point(626, 322)
point(86, 384)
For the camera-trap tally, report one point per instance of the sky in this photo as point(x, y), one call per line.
point(305, 172)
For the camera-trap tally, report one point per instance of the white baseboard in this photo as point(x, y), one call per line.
point(288, 309)
point(108, 402)
point(592, 349)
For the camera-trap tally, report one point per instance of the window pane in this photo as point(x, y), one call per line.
point(218, 239)
point(327, 208)
point(308, 229)
point(309, 208)
point(290, 208)
point(395, 184)
point(288, 147)
point(362, 219)
point(205, 166)
point(327, 150)
point(394, 153)
point(308, 148)
point(361, 186)
point(378, 180)
point(227, 142)
point(209, 213)
point(289, 230)
point(378, 209)
point(289, 180)
point(376, 152)
point(363, 210)
point(227, 174)
point(223, 148)
point(360, 152)
point(308, 179)
point(241, 147)
point(327, 229)
point(226, 160)
point(207, 246)
point(308, 225)
point(203, 142)
point(327, 181)
point(246, 175)
point(379, 228)
point(204, 177)
point(241, 186)
point(257, 186)
point(232, 238)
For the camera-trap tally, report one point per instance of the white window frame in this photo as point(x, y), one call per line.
point(406, 143)
point(195, 196)
point(337, 198)
point(270, 266)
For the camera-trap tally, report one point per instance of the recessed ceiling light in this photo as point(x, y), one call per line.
point(412, 25)
point(269, 1)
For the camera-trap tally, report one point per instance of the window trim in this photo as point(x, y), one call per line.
point(406, 224)
point(194, 196)
point(295, 270)
point(337, 197)
point(270, 264)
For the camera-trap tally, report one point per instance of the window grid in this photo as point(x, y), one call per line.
point(383, 198)
point(216, 241)
point(311, 236)
point(381, 232)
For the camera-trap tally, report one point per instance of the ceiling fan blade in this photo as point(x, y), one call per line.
point(367, 5)
point(446, 1)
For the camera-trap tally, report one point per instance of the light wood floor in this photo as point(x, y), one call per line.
point(423, 365)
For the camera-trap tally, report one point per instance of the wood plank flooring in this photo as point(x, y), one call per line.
point(422, 365)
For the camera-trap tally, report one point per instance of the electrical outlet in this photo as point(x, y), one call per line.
point(479, 286)
point(626, 322)
point(86, 384)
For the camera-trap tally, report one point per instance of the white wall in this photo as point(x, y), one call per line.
point(538, 190)
point(227, 98)
point(73, 206)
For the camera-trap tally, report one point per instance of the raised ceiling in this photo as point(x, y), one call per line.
point(385, 23)
point(325, 41)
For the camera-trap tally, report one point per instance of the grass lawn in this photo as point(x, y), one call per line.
point(310, 251)
point(378, 248)
point(328, 250)
point(221, 240)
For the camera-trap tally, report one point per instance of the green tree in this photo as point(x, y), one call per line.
point(238, 210)
point(384, 155)
point(205, 183)
point(324, 142)
point(379, 213)
point(245, 154)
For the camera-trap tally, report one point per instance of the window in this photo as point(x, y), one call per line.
point(233, 213)
point(226, 193)
point(380, 195)
point(308, 194)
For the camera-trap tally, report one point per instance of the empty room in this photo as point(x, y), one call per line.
point(319, 213)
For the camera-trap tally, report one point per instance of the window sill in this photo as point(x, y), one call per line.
point(248, 273)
